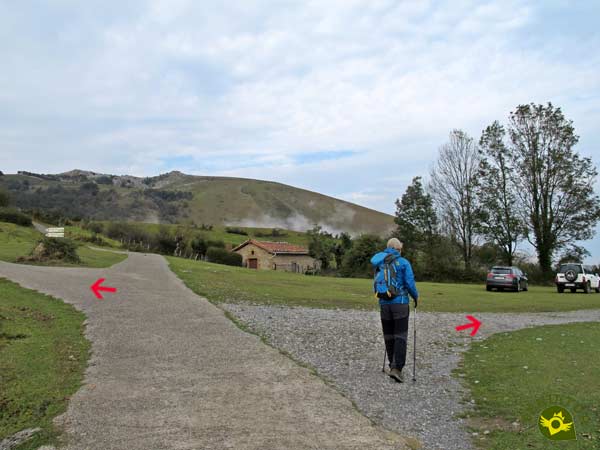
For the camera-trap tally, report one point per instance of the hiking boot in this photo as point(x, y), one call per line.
point(396, 374)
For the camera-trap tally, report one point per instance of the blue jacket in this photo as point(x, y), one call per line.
point(404, 276)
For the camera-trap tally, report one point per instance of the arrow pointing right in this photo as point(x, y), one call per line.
point(474, 323)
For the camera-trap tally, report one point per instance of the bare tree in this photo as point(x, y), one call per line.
point(453, 181)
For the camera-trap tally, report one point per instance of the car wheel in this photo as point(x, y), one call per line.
point(526, 288)
point(488, 288)
point(587, 288)
point(560, 289)
point(598, 289)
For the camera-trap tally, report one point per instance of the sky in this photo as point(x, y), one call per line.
point(344, 97)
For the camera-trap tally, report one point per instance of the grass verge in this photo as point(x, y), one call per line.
point(514, 376)
point(43, 354)
point(228, 284)
point(18, 241)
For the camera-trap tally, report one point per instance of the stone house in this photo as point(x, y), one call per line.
point(275, 256)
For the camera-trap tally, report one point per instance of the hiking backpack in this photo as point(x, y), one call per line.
point(385, 283)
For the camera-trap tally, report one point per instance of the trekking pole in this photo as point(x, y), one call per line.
point(415, 346)
point(384, 355)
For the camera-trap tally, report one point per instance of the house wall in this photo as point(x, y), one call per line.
point(264, 258)
point(267, 261)
point(286, 262)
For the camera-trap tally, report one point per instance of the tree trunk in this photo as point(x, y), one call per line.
point(545, 260)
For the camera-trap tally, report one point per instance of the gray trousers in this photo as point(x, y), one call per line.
point(394, 320)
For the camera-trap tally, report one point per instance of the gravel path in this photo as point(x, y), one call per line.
point(346, 347)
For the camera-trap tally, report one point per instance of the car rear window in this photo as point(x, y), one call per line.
point(501, 270)
point(566, 267)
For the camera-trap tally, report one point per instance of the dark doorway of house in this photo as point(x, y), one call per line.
point(253, 263)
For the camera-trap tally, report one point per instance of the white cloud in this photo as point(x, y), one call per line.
point(241, 87)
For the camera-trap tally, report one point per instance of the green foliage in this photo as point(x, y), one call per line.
point(164, 241)
point(341, 247)
point(104, 179)
point(272, 233)
point(169, 196)
point(234, 230)
point(55, 249)
point(501, 220)
point(94, 227)
point(4, 198)
point(13, 215)
point(222, 256)
point(321, 246)
point(356, 261)
point(89, 188)
point(554, 184)
point(417, 225)
point(43, 354)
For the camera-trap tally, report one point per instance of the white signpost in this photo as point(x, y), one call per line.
point(55, 232)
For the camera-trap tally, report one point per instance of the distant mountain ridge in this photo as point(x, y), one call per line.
point(175, 197)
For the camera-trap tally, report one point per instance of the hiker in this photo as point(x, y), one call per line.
point(393, 282)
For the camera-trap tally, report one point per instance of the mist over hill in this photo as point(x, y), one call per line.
point(175, 197)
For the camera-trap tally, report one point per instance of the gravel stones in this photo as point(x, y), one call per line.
point(346, 348)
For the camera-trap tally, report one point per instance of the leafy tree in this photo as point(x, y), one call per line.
point(453, 181)
point(500, 222)
point(343, 244)
point(555, 185)
point(199, 245)
point(320, 246)
point(165, 241)
point(416, 221)
point(356, 262)
point(222, 256)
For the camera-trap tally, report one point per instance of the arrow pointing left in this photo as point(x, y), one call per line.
point(96, 288)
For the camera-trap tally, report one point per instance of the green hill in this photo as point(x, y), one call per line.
point(179, 198)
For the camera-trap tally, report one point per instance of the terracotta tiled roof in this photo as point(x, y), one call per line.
point(276, 247)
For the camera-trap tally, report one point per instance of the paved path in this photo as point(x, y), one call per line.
point(38, 226)
point(170, 371)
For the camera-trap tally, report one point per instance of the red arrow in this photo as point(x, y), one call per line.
point(475, 324)
point(96, 288)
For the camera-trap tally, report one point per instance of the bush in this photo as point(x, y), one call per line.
point(104, 180)
point(233, 230)
point(222, 256)
point(275, 232)
point(94, 227)
point(15, 216)
point(4, 198)
point(357, 260)
point(55, 249)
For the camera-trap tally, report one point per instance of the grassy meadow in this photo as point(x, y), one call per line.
point(18, 241)
point(235, 284)
point(514, 376)
point(43, 354)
